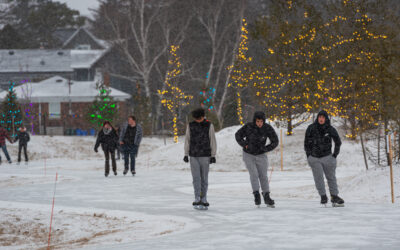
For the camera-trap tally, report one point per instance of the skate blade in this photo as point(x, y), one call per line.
point(324, 205)
point(258, 206)
point(271, 206)
point(337, 205)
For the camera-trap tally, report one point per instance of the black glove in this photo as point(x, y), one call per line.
point(186, 159)
point(264, 149)
point(213, 160)
point(95, 150)
point(334, 156)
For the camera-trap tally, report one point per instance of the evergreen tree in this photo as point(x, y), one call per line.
point(12, 115)
point(103, 108)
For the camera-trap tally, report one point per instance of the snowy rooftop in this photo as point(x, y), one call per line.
point(47, 60)
point(56, 89)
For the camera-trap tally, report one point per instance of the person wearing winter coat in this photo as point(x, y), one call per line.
point(3, 136)
point(108, 139)
point(318, 147)
point(130, 137)
point(23, 138)
point(252, 137)
point(201, 147)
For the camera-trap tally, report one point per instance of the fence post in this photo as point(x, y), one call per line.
point(281, 151)
point(391, 169)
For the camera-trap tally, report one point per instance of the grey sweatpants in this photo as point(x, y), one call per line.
point(324, 165)
point(257, 165)
point(200, 167)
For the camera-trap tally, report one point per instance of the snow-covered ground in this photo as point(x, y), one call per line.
point(153, 210)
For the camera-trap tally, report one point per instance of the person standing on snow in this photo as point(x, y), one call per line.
point(130, 137)
point(23, 139)
point(201, 147)
point(252, 137)
point(3, 137)
point(318, 147)
point(108, 139)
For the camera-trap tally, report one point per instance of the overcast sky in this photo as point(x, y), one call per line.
point(81, 5)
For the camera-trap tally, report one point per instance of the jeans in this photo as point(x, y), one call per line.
point(20, 147)
point(4, 148)
point(130, 153)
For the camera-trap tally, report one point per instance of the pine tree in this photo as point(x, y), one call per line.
point(12, 115)
point(103, 108)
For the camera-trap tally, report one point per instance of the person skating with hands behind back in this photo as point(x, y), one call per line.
point(252, 137)
point(200, 150)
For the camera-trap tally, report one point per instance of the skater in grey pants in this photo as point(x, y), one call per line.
point(253, 138)
point(318, 147)
point(201, 146)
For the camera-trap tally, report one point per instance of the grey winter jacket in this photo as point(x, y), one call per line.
point(138, 136)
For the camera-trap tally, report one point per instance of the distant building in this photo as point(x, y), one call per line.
point(61, 105)
point(77, 59)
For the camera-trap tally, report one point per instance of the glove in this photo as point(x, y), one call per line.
point(334, 156)
point(95, 150)
point(186, 159)
point(213, 160)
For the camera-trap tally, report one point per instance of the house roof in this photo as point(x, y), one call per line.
point(56, 89)
point(26, 60)
point(100, 42)
point(64, 34)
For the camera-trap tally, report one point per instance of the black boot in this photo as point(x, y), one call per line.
point(267, 200)
point(257, 198)
point(324, 199)
point(337, 201)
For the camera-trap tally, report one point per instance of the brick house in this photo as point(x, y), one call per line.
point(59, 106)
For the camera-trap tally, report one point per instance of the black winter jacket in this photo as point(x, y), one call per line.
point(255, 138)
point(107, 141)
point(318, 139)
point(23, 138)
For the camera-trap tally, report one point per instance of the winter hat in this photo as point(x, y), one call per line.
point(259, 115)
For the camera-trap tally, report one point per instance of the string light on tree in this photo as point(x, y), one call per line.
point(172, 97)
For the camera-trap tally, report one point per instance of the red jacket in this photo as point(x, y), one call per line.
point(3, 136)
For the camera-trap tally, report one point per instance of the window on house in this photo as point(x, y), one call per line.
point(55, 110)
point(81, 74)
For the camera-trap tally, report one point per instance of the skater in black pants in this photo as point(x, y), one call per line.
point(318, 147)
point(23, 139)
point(108, 139)
point(129, 138)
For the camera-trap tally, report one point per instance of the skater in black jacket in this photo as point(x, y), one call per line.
point(318, 147)
point(23, 139)
point(252, 137)
point(108, 139)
